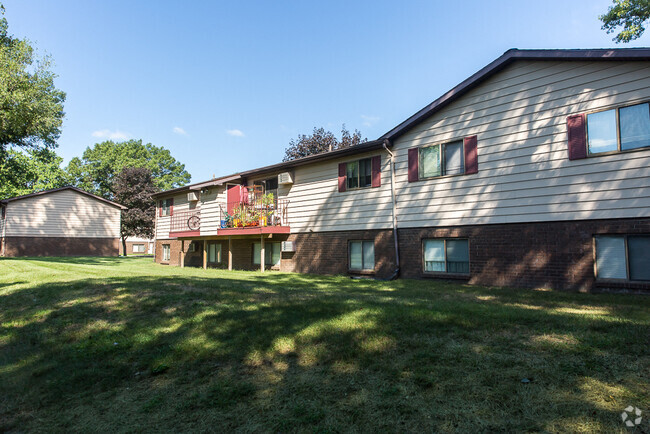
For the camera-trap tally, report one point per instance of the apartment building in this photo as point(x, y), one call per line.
point(533, 172)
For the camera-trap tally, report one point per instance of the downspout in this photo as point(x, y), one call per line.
point(394, 201)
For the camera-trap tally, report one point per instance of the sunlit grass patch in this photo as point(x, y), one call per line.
point(116, 344)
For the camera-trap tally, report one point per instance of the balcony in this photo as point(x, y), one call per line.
point(256, 216)
point(185, 223)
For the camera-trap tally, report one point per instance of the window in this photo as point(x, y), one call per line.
point(362, 255)
point(214, 253)
point(138, 248)
point(166, 252)
point(623, 257)
point(446, 256)
point(442, 159)
point(166, 207)
point(359, 173)
point(192, 247)
point(619, 129)
point(272, 254)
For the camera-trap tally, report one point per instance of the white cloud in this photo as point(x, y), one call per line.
point(235, 133)
point(111, 135)
point(179, 130)
point(369, 121)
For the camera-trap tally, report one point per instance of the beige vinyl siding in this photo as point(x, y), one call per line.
point(65, 213)
point(208, 204)
point(524, 175)
point(315, 203)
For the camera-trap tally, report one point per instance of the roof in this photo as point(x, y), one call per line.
point(54, 190)
point(199, 185)
point(506, 59)
point(483, 74)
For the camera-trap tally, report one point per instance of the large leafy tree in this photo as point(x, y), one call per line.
point(321, 141)
point(98, 166)
point(630, 14)
point(30, 171)
point(31, 107)
point(133, 188)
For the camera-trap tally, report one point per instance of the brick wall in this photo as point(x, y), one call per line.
point(327, 252)
point(60, 246)
point(555, 255)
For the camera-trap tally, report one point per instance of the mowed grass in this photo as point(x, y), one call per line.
point(114, 344)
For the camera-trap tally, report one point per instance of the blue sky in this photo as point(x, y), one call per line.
point(226, 85)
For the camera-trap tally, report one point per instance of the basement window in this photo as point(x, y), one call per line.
point(449, 256)
point(623, 257)
point(362, 255)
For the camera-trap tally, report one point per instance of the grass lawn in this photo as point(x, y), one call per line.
point(90, 344)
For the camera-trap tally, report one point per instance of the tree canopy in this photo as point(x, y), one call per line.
point(98, 166)
point(319, 141)
point(31, 107)
point(133, 188)
point(630, 14)
point(30, 171)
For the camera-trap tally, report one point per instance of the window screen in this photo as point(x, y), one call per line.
point(610, 257)
point(362, 255)
point(601, 132)
point(635, 126)
point(454, 163)
point(639, 257)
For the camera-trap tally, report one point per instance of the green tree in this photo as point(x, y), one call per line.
point(30, 171)
point(631, 14)
point(98, 166)
point(133, 188)
point(321, 141)
point(31, 107)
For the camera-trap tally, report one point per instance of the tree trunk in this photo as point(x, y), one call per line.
point(124, 245)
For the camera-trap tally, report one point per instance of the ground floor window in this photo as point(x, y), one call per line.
point(214, 253)
point(362, 255)
point(624, 257)
point(446, 256)
point(272, 254)
point(138, 248)
point(192, 247)
point(166, 252)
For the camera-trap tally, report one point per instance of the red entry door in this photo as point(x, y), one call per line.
point(232, 197)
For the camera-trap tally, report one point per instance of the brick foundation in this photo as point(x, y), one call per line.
point(60, 246)
point(318, 253)
point(558, 255)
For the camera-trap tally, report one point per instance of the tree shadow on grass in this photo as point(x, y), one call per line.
point(288, 352)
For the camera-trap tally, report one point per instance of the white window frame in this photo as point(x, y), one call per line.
point(364, 266)
point(618, 149)
point(166, 251)
point(627, 257)
point(217, 247)
point(443, 159)
point(268, 247)
point(424, 267)
point(141, 248)
point(167, 207)
point(358, 163)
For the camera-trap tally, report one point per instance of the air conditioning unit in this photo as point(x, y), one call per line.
point(192, 196)
point(285, 178)
point(288, 246)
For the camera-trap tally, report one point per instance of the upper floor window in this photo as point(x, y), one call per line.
point(619, 129)
point(624, 257)
point(359, 173)
point(441, 159)
point(446, 256)
point(166, 207)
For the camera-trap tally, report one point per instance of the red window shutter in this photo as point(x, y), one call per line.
point(343, 177)
point(376, 171)
point(171, 207)
point(577, 135)
point(160, 209)
point(413, 165)
point(471, 154)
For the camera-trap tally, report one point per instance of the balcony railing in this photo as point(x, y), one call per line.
point(251, 214)
point(186, 221)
